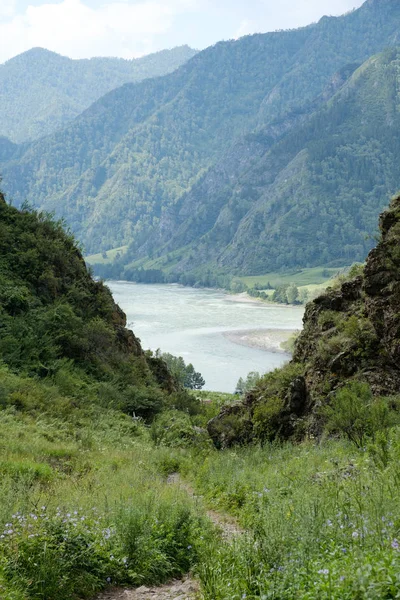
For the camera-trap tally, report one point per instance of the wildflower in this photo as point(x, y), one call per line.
point(354, 535)
point(189, 547)
point(395, 544)
point(108, 579)
point(329, 523)
point(323, 571)
point(342, 578)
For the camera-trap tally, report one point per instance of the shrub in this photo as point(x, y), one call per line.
point(266, 418)
point(357, 415)
point(173, 428)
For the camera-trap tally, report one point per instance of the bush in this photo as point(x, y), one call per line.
point(357, 415)
point(173, 428)
point(266, 418)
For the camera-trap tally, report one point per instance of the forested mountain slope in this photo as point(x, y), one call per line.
point(118, 171)
point(40, 91)
point(302, 192)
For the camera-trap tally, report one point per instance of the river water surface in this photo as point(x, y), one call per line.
point(200, 325)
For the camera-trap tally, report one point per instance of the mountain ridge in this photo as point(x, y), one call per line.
point(120, 171)
point(56, 88)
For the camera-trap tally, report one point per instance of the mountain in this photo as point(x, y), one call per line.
point(301, 192)
point(40, 91)
point(151, 160)
point(350, 344)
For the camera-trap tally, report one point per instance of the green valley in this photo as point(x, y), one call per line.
point(262, 174)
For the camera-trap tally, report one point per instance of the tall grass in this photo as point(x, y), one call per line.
point(323, 522)
point(85, 504)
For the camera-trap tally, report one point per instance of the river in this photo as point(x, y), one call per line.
point(224, 337)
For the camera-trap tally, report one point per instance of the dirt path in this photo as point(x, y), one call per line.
point(227, 524)
point(183, 589)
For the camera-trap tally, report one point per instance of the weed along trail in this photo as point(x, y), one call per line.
point(227, 525)
point(187, 588)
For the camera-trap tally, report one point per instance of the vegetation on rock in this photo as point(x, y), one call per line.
point(351, 334)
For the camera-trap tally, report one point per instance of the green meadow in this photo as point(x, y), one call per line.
point(85, 503)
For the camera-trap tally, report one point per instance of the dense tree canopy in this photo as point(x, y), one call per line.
point(41, 91)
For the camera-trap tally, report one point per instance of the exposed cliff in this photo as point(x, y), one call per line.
point(350, 333)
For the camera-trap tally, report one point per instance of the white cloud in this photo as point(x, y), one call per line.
point(128, 28)
point(287, 14)
point(246, 26)
point(72, 28)
point(7, 8)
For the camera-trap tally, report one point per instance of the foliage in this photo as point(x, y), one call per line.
point(121, 525)
point(184, 374)
point(175, 429)
point(289, 345)
point(59, 324)
point(221, 166)
point(43, 91)
point(356, 414)
point(322, 522)
point(245, 385)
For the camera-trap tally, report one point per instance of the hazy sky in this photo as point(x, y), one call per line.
point(130, 28)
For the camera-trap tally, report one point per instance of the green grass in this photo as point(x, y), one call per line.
point(84, 502)
point(99, 259)
point(323, 522)
point(302, 278)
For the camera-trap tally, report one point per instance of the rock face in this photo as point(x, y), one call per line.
point(350, 333)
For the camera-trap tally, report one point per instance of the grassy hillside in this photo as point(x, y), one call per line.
point(42, 91)
point(58, 324)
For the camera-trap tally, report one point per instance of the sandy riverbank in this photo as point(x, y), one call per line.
point(264, 339)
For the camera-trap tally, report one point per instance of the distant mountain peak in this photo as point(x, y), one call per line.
point(34, 53)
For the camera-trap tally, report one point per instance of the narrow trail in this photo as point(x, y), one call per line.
point(182, 589)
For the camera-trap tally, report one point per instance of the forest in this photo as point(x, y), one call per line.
point(187, 169)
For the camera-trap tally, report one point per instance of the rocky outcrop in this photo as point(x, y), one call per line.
point(351, 332)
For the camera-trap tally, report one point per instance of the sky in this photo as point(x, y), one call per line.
point(132, 28)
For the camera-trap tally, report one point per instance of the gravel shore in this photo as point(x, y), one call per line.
point(269, 340)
